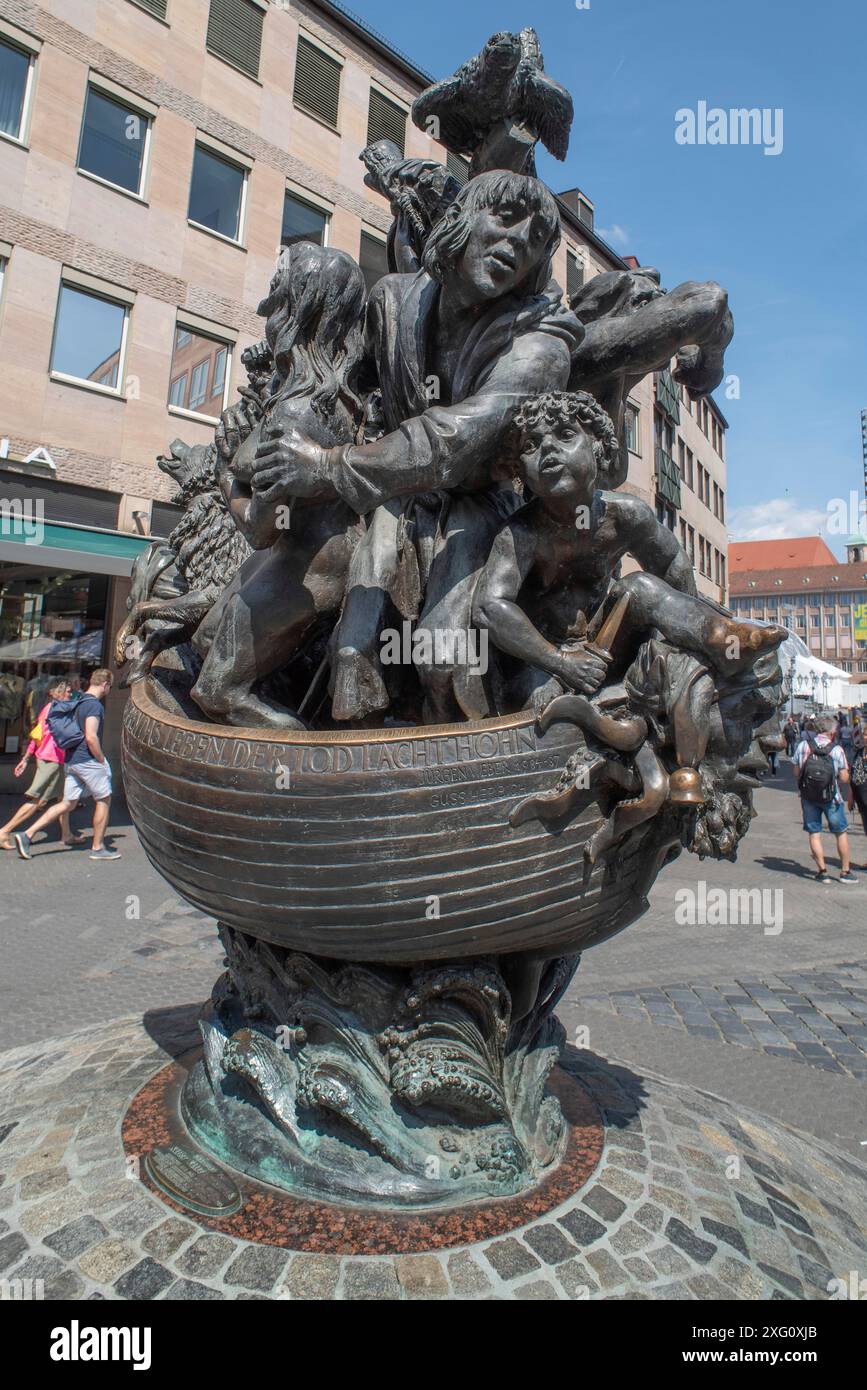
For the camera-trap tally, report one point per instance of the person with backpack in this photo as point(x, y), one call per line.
point(821, 769)
point(47, 783)
point(76, 727)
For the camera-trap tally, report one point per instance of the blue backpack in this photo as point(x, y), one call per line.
point(63, 724)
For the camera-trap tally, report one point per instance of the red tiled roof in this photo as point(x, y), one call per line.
point(791, 580)
point(785, 554)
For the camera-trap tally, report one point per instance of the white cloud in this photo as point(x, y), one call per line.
point(777, 520)
point(615, 235)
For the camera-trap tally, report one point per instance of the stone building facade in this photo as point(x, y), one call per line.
point(154, 154)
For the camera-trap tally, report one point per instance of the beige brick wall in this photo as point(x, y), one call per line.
point(54, 216)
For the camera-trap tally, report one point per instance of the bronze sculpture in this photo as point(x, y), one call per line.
point(408, 859)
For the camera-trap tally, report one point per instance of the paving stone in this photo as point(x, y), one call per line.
point(650, 1216)
point(630, 1238)
point(370, 1279)
point(166, 1238)
point(145, 1280)
point(510, 1258)
point(576, 1279)
point(539, 1289)
point(60, 1283)
point(788, 1281)
point(76, 1237)
point(639, 1268)
point(257, 1267)
point(666, 1197)
point(623, 1184)
point(468, 1279)
point(819, 1275)
point(604, 1203)
point(421, 1276)
point(607, 1270)
point(137, 1217)
point(705, 1286)
point(583, 1227)
point(672, 1293)
point(12, 1247)
point(755, 1211)
point(312, 1277)
point(104, 1262)
point(668, 1261)
point(549, 1243)
point(205, 1256)
point(191, 1290)
point(681, 1235)
point(723, 1232)
point(789, 1216)
point(40, 1184)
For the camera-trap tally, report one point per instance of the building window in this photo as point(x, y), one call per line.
point(16, 81)
point(691, 546)
point(218, 376)
point(302, 222)
point(317, 82)
point(177, 390)
point(385, 120)
point(114, 141)
point(235, 33)
point(574, 273)
point(89, 338)
point(200, 372)
point(458, 167)
point(217, 194)
point(154, 7)
point(633, 428)
point(373, 259)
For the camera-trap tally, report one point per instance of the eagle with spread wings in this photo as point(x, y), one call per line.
point(505, 82)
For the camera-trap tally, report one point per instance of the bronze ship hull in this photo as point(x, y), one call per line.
point(389, 845)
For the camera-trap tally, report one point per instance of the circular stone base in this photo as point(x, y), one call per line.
point(691, 1198)
point(269, 1215)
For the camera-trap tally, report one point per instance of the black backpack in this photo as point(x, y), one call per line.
point(64, 725)
point(818, 781)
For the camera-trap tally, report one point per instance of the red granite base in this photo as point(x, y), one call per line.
point(270, 1216)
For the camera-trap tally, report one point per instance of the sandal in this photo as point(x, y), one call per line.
point(78, 839)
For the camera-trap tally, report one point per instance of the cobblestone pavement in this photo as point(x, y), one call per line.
point(692, 1199)
point(818, 1017)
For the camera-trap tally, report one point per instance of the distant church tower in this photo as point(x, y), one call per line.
point(856, 550)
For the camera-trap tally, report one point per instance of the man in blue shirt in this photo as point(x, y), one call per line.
point(87, 771)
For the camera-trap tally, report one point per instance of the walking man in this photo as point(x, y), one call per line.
point(821, 769)
point(87, 770)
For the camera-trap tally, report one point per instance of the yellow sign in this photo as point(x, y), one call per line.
point(861, 622)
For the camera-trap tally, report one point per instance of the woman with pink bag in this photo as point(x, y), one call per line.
point(47, 784)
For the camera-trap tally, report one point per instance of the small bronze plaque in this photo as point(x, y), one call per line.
point(193, 1180)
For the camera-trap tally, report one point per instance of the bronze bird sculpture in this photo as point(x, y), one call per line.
point(505, 83)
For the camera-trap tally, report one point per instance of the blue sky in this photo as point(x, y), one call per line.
point(782, 232)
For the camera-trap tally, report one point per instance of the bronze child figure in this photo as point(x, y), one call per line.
point(296, 577)
point(550, 569)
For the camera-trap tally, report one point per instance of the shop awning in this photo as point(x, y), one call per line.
point(23, 540)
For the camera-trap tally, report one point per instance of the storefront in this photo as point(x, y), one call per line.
point(63, 591)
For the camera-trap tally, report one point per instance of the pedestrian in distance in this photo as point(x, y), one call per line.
point(821, 769)
point(76, 727)
point(47, 783)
